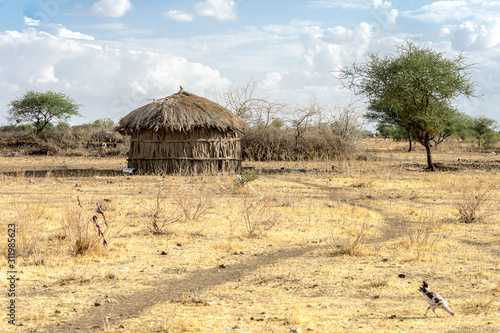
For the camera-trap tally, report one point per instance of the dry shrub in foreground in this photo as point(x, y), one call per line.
point(422, 234)
point(193, 204)
point(479, 303)
point(196, 296)
point(472, 205)
point(86, 229)
point(30, 243)
point(159, 215)
point(258, 216)
point(353, 243)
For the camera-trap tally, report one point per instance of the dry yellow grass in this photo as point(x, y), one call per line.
point(347, 251)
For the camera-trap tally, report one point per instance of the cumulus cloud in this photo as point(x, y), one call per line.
point(381, 4)
point(66, 33)
point(108, 80)
point(179, 16)
point(391, 16)
point(111, 8)
point(351, 4)
point(218, 9)
point(482, 35)
point(441, 11)
point(337, 46)
point(28, 21)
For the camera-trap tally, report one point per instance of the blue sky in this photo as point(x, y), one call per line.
point(112, 56)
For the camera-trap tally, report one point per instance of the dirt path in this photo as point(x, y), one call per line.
point(170, 290)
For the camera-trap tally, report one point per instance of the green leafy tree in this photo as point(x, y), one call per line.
point(416, 85)
point(106, 123)
point(455, 125)
point(481, 128)
point(41, 108)
point(385, 115)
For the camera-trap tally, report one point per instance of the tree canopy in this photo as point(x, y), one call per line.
point(481, 128)
point(415, 88)
point(40, 108)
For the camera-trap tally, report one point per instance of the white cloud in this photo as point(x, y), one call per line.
point(111, 8)
point(441, 11)
point(391, 16)
point(377, 4)
point(351, 4)
point(107, 26)
point(218, 9)
point(179, 16)
point(336, 47)
point(482, 35)
point(28, 21)
point(295, 27)
point(271, 80)
point(66, 33)
point(109, 81)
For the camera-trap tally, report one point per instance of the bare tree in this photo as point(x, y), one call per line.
point(347, 122)
point(241, 99)
point(305, 117)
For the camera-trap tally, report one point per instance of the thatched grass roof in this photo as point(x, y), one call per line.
point(182, 111)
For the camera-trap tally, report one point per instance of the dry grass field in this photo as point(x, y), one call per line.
point(321, 249)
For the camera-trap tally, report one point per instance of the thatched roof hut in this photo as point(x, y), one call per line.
point(183, 133)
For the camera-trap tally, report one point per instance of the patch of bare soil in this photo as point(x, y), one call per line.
point(170, 290)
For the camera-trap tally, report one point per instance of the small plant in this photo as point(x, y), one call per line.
point(423, 234)
point(353, 245)
point(258, 216)
point(471, 206)
point(159, 216)
point(29, 235)
point(193, 206)
point(247, 176)
point(479, 304)
point(83, 230)
point(196, 296)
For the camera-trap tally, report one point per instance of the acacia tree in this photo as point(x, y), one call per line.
point(40, 108)
point(387, 116)
point(419, 85)
point(481, 128)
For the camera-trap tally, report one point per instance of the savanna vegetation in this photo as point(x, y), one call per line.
point(325, 245)
point(328, 228)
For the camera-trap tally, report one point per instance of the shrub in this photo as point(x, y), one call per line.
point(247, 176)
point(352, 245)
point(193, 206)
point(281, 144)
point(258, 216)
point(28, 233)
point(472, 204)
point(86, 229)
point(159, 216)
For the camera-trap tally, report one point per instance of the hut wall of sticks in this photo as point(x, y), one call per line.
point(183, 134)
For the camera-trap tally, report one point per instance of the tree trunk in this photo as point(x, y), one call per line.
point(409, 139)
point(427, 146)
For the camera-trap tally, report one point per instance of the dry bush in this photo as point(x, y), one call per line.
point(64, 140)
point(258, 216)
point(193, 204)
point(30, 241)
point(352, 244)
point(472, 205)
point(281, 144)
point(479, 304)
point(421, 233)
point(158, 214)
point(196, 296)
point(86, 229)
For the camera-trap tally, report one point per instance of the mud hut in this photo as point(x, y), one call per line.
point(185, 134)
